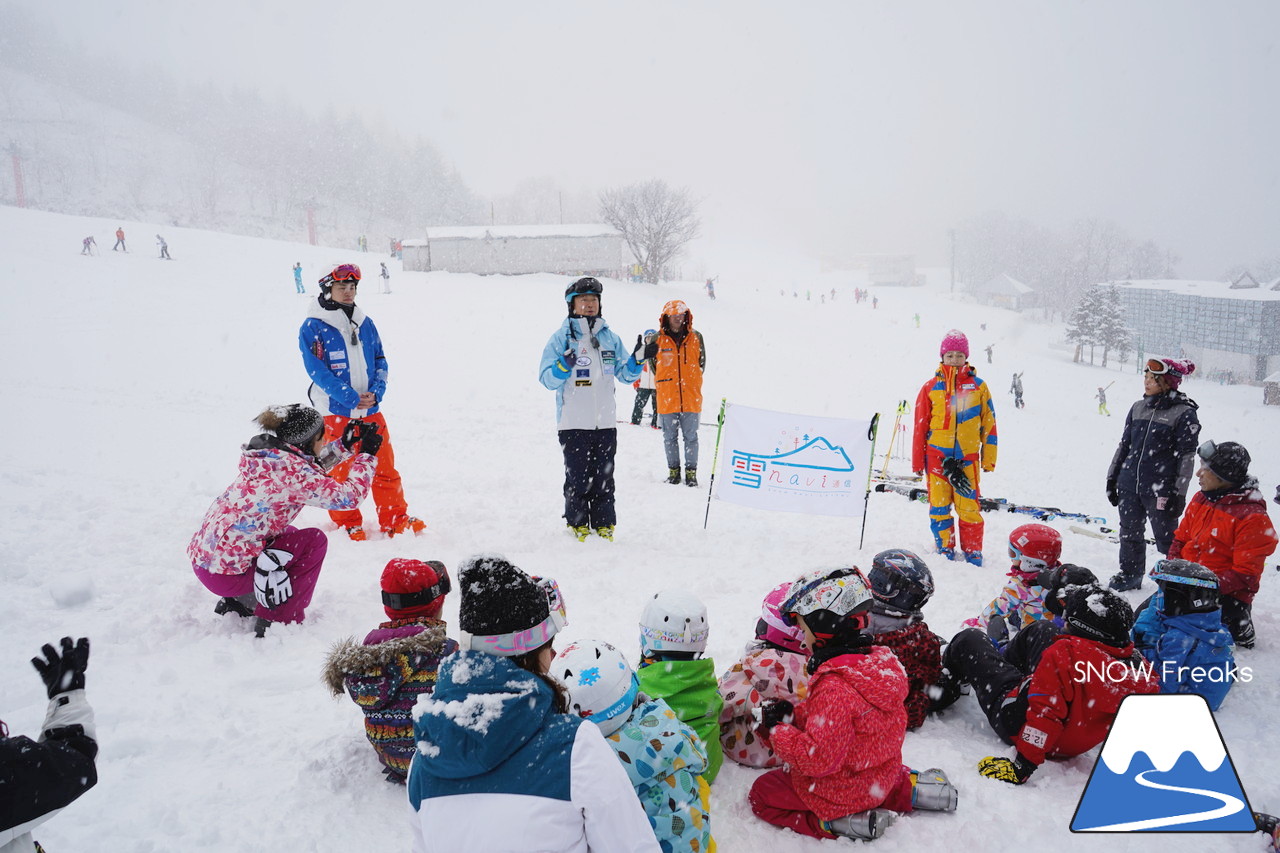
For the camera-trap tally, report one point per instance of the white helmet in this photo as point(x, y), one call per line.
point(842, 591)
point(674, 620)
point(602, 686)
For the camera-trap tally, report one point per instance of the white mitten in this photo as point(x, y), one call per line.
point(271, 584)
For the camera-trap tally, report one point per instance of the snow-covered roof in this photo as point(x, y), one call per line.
point(1209, 289)
point(1275, 377)
point(1005, 284)
point(501, 232)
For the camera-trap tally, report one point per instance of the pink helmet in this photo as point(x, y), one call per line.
point(954, 341)
point(772, 628)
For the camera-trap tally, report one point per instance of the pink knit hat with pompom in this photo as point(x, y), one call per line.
point(954, 341)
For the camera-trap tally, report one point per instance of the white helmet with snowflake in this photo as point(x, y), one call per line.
point(842, 591)
point(602, 686)
point(674, 620)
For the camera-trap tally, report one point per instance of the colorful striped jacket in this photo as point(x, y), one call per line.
point(955, 418)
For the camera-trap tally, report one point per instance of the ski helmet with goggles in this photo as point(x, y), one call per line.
point(342, 272)
point(1036, 547)
point(772, 628)
point(843, 592)
point(585, 286)
point(901, 583)
point(1061, 580)
point(1188, 587)
point(602, 686)
point(674, 620)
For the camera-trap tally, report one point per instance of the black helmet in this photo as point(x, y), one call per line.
point(1059, 581)
point(901, 583)
point(1099, 614)
point(1188, 587)
point(585, 286)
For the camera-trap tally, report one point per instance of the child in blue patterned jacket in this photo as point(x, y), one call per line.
point(397, 661)
point(663, 757)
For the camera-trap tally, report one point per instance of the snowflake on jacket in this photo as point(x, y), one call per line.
point(385, 675)
point(919, 650)
point(843, 748)
point(274, 482)
point(1190, 653)
point(765, 672)
point(1231, 535)
point(665, 761)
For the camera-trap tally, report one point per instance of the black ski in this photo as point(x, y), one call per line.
point(1041, 513)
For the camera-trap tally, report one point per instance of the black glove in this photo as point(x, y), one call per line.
point(63, 673)
point(637, 353)
point(370, 439)
point(954, 470)
point(774, 711)
point(1113, 493)
point(650, 350)
point(1175, 504)
point(351, 434)
point(1015, 771)
point(568, 359)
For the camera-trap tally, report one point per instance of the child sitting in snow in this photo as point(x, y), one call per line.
point(901, 585)
point(1032, 548)
point(1180, 631)
point(771, 668)
point(842, 746)
point(673, 637)
point(663, 757)
point(397, 661)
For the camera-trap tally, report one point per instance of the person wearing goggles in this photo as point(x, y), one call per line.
point(342, 353)
point(1227, 530)
point(581, 362)
point(1151, 469)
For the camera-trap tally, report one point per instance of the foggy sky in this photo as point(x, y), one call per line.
point(873, 126)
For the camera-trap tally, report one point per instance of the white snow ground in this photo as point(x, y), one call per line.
point(132, 382)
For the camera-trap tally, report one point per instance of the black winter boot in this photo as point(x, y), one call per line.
point(673, 476)
point(242, 606)
point(691, 477)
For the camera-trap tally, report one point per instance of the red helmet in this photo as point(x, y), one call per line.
point(1035, 547)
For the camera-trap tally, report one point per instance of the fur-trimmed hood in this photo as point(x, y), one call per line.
point(347, 657)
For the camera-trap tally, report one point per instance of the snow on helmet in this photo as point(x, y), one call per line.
point(1188, 587)
point(1034, 547)
point(585, 286)
point(1061, 580)
point(901, 583)
point(843, 591)
point(674, 620)
point(1099, 614)
point(602, 686)
point(772, 628)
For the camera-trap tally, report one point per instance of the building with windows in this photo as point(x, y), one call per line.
point(518, 249)
point(1231, 331)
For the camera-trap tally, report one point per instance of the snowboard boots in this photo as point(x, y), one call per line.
point(260, 627)
point(866, 825)
point(932, 791)
point(691, 477)
point(973, 557)
point(605, 532)
point(1121, 582)
point(673, 476)
point(580, 532)
point(242, 606)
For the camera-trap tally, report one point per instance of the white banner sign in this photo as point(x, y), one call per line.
point(793, 463)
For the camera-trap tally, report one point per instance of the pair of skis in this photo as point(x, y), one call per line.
point(1040, 513)
point(1110, 534)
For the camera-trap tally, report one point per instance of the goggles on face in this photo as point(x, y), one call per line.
point(1156, 367)
point(1029, 564)
point(587, 287)
point(345, 272)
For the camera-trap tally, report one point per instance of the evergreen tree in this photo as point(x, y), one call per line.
point(1112, 333)
point(1084, 324)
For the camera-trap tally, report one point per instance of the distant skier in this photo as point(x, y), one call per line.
point(119, 240)
point(875, 302)
point(297, 277)
point(988, 350)
point(386, 278)
point(1102, 401)
point(917, 319)
point(164, 248)
point(711, 289)
point(88, 243)
point(1016, 390)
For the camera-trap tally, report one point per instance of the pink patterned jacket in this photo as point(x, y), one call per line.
point(763, 673)
point(273, 485)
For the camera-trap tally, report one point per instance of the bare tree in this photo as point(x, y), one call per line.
point(655, 220)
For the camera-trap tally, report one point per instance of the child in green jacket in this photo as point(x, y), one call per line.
point(673, 636)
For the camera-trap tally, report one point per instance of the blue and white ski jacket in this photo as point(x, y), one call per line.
point(665, 761)
point(584, 394)
point(344, 358)
point(1191, 653)
point(498, 770)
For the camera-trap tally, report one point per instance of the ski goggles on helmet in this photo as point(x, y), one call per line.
point(345, 272)
point(555, 602)
point(1157, 367)
point(405, 600)
point(1207, 450)
point(1030, 564)
point(1161, 574)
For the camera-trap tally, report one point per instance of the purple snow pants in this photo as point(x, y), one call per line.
point(308, 548)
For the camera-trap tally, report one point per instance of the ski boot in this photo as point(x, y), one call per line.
point(932, 791)
point(973, 557)
point(605, 532)
point(242, 606)
point(406, 524)
point(356, 533)
point(947, 553)
point(691, 477)
point(673, 476)
point(580, 532)
point(866, 825)
point(260, 627)
point(1120, 582)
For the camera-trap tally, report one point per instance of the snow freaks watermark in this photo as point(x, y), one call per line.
point(1118, 671)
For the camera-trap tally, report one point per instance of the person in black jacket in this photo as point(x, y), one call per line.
point(38, 778)
point(1152, 467)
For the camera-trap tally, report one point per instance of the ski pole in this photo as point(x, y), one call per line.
point(871, 462)
point(902, 409)
point(715, 462)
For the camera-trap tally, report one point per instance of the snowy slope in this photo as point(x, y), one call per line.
point(133, 382)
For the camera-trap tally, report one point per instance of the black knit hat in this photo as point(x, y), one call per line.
point(1228, 460)
point(506, 611)
point(298, 425)
point(1099, 614)
point(1059, 581)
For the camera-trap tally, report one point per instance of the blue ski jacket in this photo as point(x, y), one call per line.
point(584, 394)
point(344, 358)
point(1191, 653)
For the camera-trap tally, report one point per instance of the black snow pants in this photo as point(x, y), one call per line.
point(1000, 679)
point(588, 476)
point(1134, 510)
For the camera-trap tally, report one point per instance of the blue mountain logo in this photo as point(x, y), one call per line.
point(818, 453)
point(1164, 768)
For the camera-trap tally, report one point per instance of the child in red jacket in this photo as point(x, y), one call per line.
point(843, 745)
point(901, 585)
point(1226, 529)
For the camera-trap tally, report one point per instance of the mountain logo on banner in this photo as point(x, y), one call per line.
point(1164, 768)
point(818, 453)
